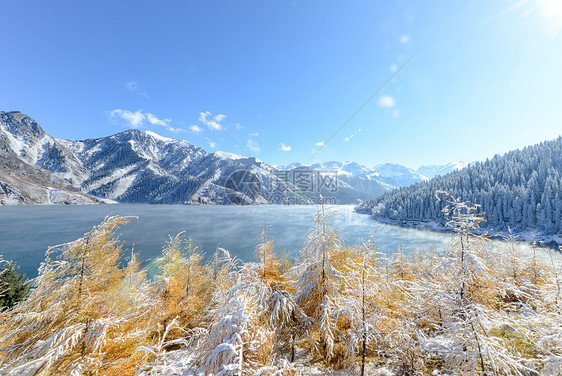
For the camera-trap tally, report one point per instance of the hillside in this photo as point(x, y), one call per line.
point(143, 167)
point(25, 183)
point(432, 171)
point(520, 190)
point(131, 166)
point(358, 182)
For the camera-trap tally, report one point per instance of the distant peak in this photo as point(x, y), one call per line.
point(19, 123)
point(227, 155)
point(158, 137)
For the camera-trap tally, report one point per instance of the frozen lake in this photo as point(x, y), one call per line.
point(27, 231)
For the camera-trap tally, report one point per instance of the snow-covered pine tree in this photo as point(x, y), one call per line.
point(13, 288)
point(528, 289)
point(520, 189)
point(238, 341)
point(465, 295)
point(319, 282)
point(248, 318)
point(408, 311)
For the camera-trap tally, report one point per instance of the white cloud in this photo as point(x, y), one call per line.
point(132, 85)
point(386, 101)
point(152, 119)
point(210, 121)
point(285, 147)
point(320, 143)
point(212, 144)
point(253, 145)
point(176, 130)
point(346, 139)
point(139, 118)
point(195, 128)
point(238, 126)
point(404, 39)
point(127, 118)
point(136, 87)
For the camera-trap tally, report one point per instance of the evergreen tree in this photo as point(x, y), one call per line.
point(13, 289)
point(465, 294)
point(519, 190)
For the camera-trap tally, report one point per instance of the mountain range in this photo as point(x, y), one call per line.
point(439, 170)
point(357, 182)
point(143, 167)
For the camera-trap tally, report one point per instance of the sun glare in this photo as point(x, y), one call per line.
point(551, 9)
point(551, 13)
point(547, 13)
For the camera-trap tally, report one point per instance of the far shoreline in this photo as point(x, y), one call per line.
point(550, 241)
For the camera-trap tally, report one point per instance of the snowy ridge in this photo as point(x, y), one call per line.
point(432, 171)
point(360, 183)
point(517, 191)
point(139, 166)
point(158, 137)
point(143, 166)
point(26, 156)
point(227, 155)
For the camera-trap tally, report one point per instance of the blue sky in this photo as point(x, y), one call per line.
point(281, 77)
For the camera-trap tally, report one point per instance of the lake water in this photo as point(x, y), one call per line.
point(27, 231)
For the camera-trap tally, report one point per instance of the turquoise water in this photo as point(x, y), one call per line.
point(27, 231)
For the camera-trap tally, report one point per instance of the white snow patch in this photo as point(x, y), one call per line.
point(117, 174)
point(123, 185)
point(227, 155)
point(16, 145)
point(158, 137)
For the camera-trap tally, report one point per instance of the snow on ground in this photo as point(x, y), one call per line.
point(227, 155)
point(158, 137)
point(15, 144)
point(123, 185)
point(117, 174)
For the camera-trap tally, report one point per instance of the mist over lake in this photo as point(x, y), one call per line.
point(27, 231)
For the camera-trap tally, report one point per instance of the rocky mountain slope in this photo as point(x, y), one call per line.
point(131, 166)
point(143, 167)
point(22, 182)
point(357, 182)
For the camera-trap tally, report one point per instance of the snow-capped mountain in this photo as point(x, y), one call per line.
point(137, 166)
point(397, 176)
point(439, 170)
point(142, 166)
point(358, 182)
point(26, 153)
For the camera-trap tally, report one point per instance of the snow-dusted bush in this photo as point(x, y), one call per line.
point(480, 309)
point(82, 315)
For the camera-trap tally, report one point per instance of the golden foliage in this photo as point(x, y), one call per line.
point(337, 305)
